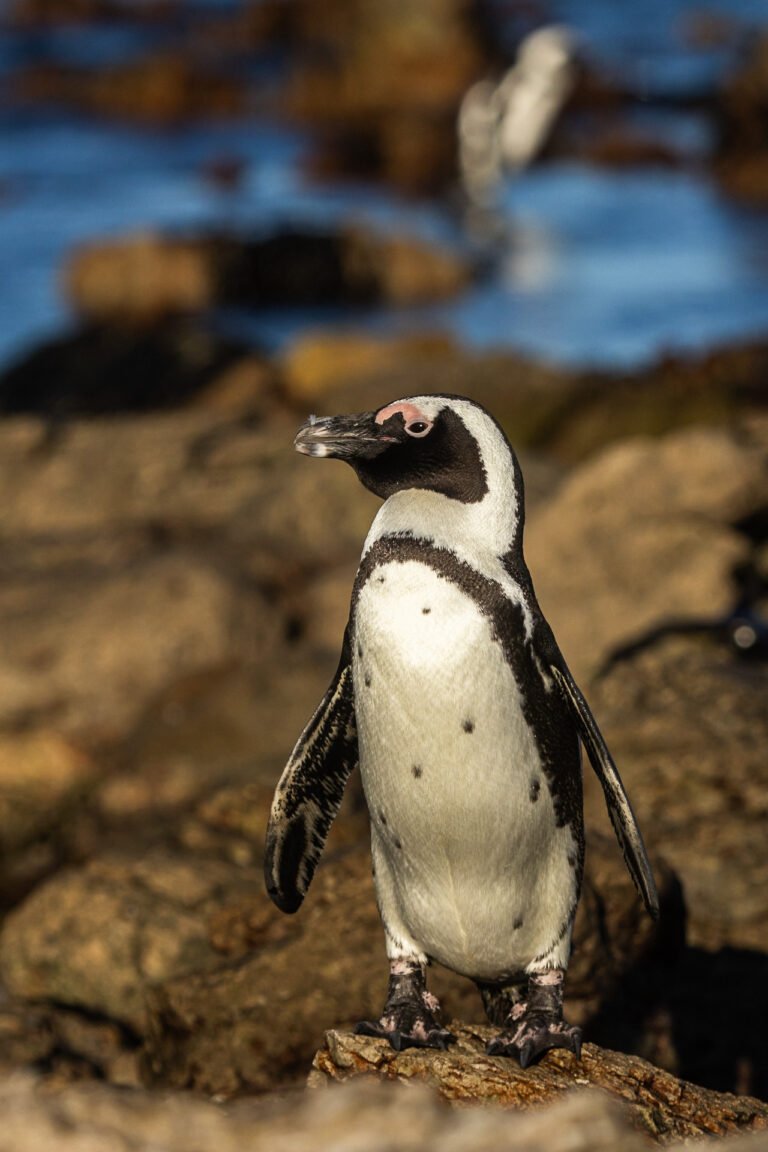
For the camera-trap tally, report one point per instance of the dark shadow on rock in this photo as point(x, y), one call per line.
point(704, 1013)
point(719, 1009)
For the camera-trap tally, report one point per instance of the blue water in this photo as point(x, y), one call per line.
point(593, 267)
point(652, 45)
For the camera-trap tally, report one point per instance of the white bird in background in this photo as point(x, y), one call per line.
point(503, 127)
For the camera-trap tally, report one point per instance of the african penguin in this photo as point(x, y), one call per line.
point(454, 699)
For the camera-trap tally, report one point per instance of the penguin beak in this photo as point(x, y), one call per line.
point(343, 437)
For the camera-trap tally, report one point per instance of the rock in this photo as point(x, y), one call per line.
point(102, 370)
point(148, 276)
point(656, 1104)
point(568, 415)
point(42, 774)
point(25, 1037)
point(386, 87)
point(210, 1031)
point(98, 937)
point(103, 647)
point(186, 560)
point(37, 13)
point(141, 277)
point(160, 88)
point(152, 927)
point(742, 148)
point(685, 718)
point(254, 1023)
point(716, 388)
point(645, 533)
point(66, 1045)
point(227, 728)
point(80, 1118)
point(687, 723)
point(316, 363)
point(614, 143)
point(613, 935)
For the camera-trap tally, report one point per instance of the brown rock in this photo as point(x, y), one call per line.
point(103, 647)
point(642, 534)
point(25, 1037)
point(161, 599)
point(742, 161)
point(149, 276)
point(102, 369)
point(162, 88)
point(98, 937)
point(226, 731)
point(33, 13)
point(42, 774)
point(386, 87)
point(656, 1104)
point(376, 1116)
point(317, 362)
point(211, 1031)
point(142, 277)
point(678, 391)
point(687, 723)
point(405, 271)
point(244, 388)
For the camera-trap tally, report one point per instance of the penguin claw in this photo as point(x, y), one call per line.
point(527, 1043)
point(439, 1038)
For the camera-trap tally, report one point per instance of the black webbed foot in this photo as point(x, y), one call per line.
point(535, 1024)
point(411, 1017)
point(534, 1035)
point(419, 1035)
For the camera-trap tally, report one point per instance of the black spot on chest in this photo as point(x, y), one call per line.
point(544, 709)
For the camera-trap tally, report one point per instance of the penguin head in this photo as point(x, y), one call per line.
point(444, 444)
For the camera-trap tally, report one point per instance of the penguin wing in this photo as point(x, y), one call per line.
point(310, 789)
point(619, 808)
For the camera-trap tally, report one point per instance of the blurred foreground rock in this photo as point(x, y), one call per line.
point(655, 1103)
point(378, 1117)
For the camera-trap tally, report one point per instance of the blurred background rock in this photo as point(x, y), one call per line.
point(217, 217)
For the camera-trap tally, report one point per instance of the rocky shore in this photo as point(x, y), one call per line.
point(173, 588)
point(174, 584)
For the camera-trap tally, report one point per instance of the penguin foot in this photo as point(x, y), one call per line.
point(534, 1035)
point(411, 1016)
point(535, 1024)
point(419, 1035)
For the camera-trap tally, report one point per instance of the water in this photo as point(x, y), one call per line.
point(593, 267)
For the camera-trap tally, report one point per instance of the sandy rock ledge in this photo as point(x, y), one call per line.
point(653, 1102)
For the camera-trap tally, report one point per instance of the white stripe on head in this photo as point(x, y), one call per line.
point(479, 533)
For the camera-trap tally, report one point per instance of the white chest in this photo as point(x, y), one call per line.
point(460, 810)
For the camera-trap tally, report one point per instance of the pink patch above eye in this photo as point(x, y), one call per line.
point(409, 413)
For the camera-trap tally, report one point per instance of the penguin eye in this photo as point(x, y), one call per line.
point(418, 428)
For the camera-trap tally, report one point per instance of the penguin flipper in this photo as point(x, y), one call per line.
point(619, 807)
point(310, 791)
